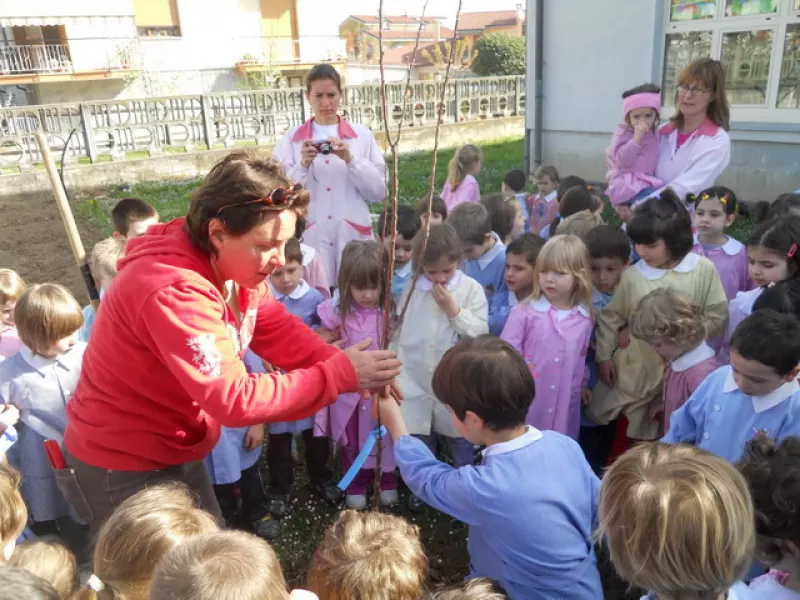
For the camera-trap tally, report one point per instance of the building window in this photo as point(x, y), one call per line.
point(158, 31)
point(758, 41)
point(157, 18)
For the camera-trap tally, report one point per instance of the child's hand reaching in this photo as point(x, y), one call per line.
point(641, 130)
point(254, 438)
point(327, 335)
point(391, 416)
point(586, 397)
point(624, 338)
point(445, 300)
point(9, 416)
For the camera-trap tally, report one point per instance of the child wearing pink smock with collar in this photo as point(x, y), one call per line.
point(674, 326)
point(343, 177)
point(355, 314)
point(552, 331)
point(461, 185)
point(632, 155)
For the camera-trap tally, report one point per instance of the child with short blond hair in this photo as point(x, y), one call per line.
point(678, 521)
point(224, 565)
point(52, 561)
point(137, 535)
point(369, 555)
point(674, 326)
point(40, 380)
point(13, 512)
point(479, 588)
point(11, 288)
point(103, 263)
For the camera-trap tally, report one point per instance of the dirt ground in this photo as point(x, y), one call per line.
point(34, 243)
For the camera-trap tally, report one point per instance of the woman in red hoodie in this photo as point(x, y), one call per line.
point(164, 368)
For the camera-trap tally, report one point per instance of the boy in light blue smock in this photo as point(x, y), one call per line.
point(484, 252)
point(757, 393)
point(531, 505)
point(408, 225)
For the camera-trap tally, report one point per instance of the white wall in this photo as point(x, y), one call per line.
point(360, 74)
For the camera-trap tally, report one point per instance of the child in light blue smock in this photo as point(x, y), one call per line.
point(484, 251)
point(757, 393)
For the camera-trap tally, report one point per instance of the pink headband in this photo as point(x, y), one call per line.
point(647, 100)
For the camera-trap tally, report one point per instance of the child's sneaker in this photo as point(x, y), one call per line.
point(356, 501)
point(389, 497)
point(279, 505)
point(415, 504)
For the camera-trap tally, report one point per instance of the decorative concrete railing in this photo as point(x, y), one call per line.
point(96, 131)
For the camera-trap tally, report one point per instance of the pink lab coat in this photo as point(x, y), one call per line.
point(731, 263)
point(543, 211)
point(678, 385)
point(314, 271)
point(555, 351)
point(631, 166)
point(340, 192)
point(467, 191)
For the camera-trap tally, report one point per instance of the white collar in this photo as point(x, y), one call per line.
point(598, 296)
point(543, 305)
point(512, 298)
point(404, 271)
point(308, 254)
point(426, 285)
point(692, 358)
point(767, 401)
point(40, 363)
point(551, 196)
point(492, 253)
point(744, 301)
point(298, 292)
point(530, 436)
point(687, 265)
point(732, 247)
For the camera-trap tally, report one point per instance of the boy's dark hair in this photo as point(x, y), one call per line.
point(720, 192)
point(408, 222)
point(487, 376)
point(780, 236)
point(574, 200)
point(528, 245)
point(502, 212)
point(292, 251)
point(515, 180)
point(645, 88)
point(772, 472)
point(783, 297)
point(663, 218)
point(16, 583)
point(608, 241)
point(472, 222)
point(570, 181)
point(321, 72)
point(443, 242)
point(770, 338)
point(785, 204)
point(438, 207)
point(130, 210)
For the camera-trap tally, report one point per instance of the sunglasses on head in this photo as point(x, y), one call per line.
point(275, 199)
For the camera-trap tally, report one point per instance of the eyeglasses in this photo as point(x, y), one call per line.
point(275, 199)
point(697, 91)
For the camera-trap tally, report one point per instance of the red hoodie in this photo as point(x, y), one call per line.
point(164, 368)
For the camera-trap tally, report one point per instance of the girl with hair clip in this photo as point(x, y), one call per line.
point(355, 316)
point(633, 153)
point(715, 211)
point(136, 536)
point(678, 521)
point(630, 369)
point(461, 185)
point(673, 325)
point(552, 331)
point(773, 255)
point(772, 471)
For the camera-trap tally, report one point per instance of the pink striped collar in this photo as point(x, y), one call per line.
point(708, 128)
point(304, 132)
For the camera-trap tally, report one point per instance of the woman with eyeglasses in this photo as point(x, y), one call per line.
point(695, 147)
point(341, 166)
point(164, 369)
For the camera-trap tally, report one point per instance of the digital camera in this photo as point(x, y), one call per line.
point(323, 146)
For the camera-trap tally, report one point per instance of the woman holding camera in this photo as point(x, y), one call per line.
point(339, 163)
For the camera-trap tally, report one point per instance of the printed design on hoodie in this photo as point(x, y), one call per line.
point(234, 336)
point(207, 357)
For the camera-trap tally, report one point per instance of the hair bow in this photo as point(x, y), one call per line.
point(724, 199)
point(792, 251)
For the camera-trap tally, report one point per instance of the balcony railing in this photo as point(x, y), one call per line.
point(49, 58)
point(275, 51)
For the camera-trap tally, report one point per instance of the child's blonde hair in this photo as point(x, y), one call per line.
point(667, 314)
point(225, 565)
point(104, 257)
point(45, 314)
point(369, 555)
point(13, 512)
point(566, 254)
point(548, 171)
point(11, 286)
point(135, 537)
point(677, 520)
point(462, 163)
point(52, 561)
point(480, 588)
